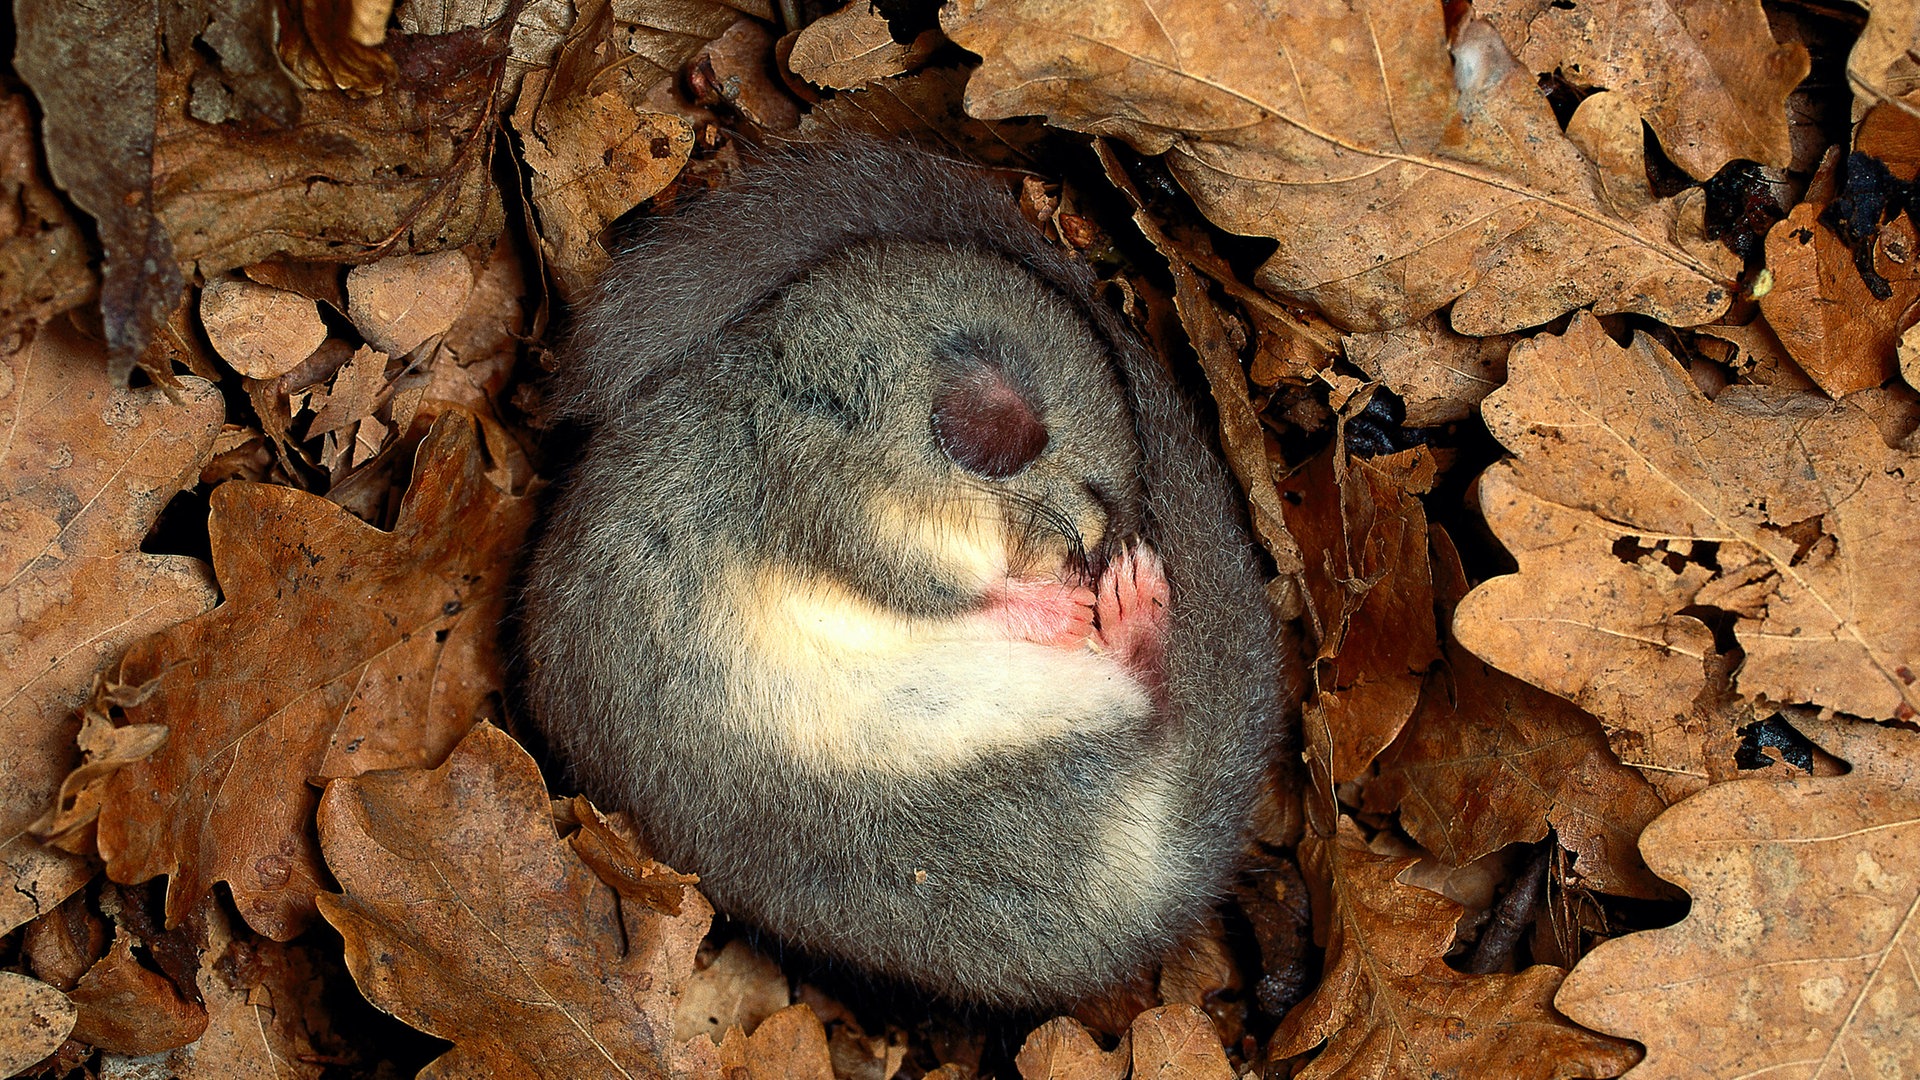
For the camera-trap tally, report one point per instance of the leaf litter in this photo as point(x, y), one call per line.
point(1564, 353)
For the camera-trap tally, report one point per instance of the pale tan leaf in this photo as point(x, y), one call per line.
point(853, 47)
point(34, 1020)
point(1397, 173)
point(1798, 957)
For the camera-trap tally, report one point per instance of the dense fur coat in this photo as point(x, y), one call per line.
point(860, 437)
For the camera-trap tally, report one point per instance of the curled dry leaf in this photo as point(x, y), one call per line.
point(34, 1020)
point(853, 47)
point(1706, 74)
point(1395, 173)
point(262, 331)
point(1633, 501)
point(1439, 374)
point(128, 1008)
point(1488, 761)
point(1798, 955)
point(1882, 66)
point(485, 929)
point(594, 148)
point(1388, 1005)
point(89, 467)
point(339, 649)
point(1369, 591)
point(43, 255)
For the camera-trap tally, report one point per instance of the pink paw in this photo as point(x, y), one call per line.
point(1131, 613)
point(1043, 610)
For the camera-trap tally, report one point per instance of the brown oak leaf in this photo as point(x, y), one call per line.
point(1707, 74)
point(339, 649)
point(1388, 1005)
point(88, 467)
point(1798, 956)
point(1633, 502)
point(466, 915)
point(1063, 1049)
point(1369, 598)
point(1397, 170)
point(853, 47)
point(34, 1020)
point(1488, 761)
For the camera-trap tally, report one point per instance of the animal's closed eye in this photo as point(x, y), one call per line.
point(984, 423)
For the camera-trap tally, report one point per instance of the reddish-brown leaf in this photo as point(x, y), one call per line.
point(467, 916)
point(86, 470)
point(340, 649)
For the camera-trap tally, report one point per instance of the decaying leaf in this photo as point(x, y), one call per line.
point(332, 175)
point(1489, 761)
point(1798, 956)
point(398, 303)
point(1388, 1005)
point(925, 107)
point(1177, 1042)
point(339, 649)
point(1633, 501)
point(1706, 74)
point(34, 1020)
point(853, 47)
point(87, 469)
point(488, 931)
point(740, 987)
point(1395, 172)
point(1369, 593)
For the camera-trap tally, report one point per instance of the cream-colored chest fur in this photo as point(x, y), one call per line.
point(832, 679)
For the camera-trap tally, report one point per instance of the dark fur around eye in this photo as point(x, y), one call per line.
point(984, 424)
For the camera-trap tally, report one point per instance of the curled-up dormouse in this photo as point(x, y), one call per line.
point(896, 592)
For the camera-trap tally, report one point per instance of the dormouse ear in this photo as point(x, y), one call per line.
point(984, 423)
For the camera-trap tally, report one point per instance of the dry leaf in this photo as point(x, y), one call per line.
point(1177, 1042)
point(263, 1015)
point(1882, 66)
point(1798, 956)
point(740, 987)
point(262, 331)
point(339, 649)
point(34, 1020)
point(88, 468)
point(1841, 327)
point(1388, 1005)
point(43, 255)
point(398, 303)
point(1062, 1049)
point(485, 929)
point(924, 107)
point(335, 175)
point(1369, 591)
point(1489, 761)
point(1707, 74)
point(1393, 181)
point(593, 146)
point(1440, 375)
point(128, 1008)
point(853, 47)
point(1633, 500)
point(332, 44)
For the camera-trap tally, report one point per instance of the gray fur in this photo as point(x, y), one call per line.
point(757, 373)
